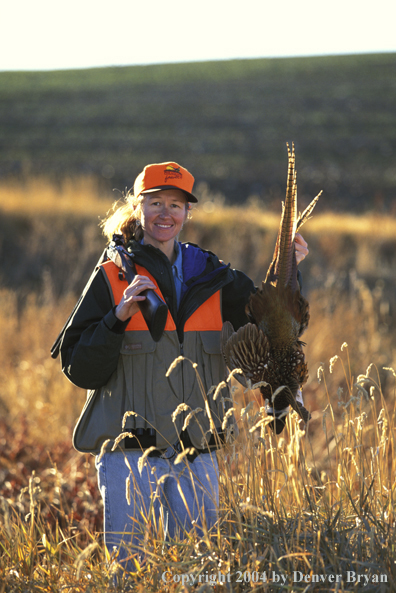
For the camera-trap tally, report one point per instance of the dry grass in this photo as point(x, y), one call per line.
point(319, 501)
point(32, 388)
point(82, 196)
point(311, 502)
point(78, 195)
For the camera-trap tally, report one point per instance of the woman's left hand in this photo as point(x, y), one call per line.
point(301, 247)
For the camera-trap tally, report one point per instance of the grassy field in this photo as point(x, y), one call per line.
point(313, 507)
point(227, 122)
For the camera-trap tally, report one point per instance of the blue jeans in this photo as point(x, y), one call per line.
point(163, 499)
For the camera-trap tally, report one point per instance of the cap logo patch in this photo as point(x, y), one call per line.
point(172, 173)
point(164, 176)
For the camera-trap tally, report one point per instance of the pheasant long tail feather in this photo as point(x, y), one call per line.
point(273, 268)
point(282, 268)
point(288, 224)
point(306, 215)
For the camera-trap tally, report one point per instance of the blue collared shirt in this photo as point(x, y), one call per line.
point(177, 269)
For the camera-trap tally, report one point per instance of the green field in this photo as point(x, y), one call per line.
point(227, 122)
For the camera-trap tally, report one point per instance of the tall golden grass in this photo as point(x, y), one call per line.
point(309, 510)
point(80, 195)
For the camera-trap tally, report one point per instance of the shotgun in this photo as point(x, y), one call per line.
point(153, 308)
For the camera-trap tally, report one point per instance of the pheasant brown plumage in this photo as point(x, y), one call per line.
point(269, 350)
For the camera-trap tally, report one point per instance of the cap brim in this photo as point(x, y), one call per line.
point(190, 197)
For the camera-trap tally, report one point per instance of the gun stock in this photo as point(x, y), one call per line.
point(155, 313)
point(153, 308)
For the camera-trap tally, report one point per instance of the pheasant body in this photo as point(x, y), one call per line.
point(268, 350)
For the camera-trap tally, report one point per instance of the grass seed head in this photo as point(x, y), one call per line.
point(143, 459)
point(174, 365)
point(120, 438)
point(180, 408)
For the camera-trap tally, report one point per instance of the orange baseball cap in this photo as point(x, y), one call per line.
point(164, 176)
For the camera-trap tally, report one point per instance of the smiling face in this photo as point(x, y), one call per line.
point(162, 216)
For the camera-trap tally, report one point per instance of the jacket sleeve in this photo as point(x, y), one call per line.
point(91, 345)
point(235, 296)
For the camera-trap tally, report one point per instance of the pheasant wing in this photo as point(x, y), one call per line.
point(247, 349)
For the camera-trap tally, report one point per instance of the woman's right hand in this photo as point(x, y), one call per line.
point(128, 305)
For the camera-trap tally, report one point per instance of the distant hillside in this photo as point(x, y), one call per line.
point(227, 122)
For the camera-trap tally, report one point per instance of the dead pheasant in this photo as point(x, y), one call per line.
point(269, 350)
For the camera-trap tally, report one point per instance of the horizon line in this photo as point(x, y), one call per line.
point(198, 61)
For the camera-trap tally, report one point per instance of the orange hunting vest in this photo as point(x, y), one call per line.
point(206, 318)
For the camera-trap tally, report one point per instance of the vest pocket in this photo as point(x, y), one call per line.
point(218, 372)
point(211, 366)
point(137, 353)
point(204, 349)
point(211, 342)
